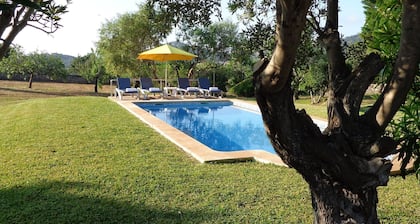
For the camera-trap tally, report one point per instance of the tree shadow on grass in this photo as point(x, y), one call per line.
point(64, 202)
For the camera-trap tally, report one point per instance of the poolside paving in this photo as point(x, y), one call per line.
point(196, 149)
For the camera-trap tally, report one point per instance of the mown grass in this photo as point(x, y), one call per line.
point(319, 110)
point(84, 159)
point(315, 110)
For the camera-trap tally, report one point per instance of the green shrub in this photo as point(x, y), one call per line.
point(406, 129)
point(244, 88)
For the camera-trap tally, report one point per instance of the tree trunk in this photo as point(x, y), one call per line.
point(154, 70)
point(344, 164)
point(190, 73)
point(343, 205)
point(343, 186)
point(96, 84)
point(31, 76)
point(310, 94)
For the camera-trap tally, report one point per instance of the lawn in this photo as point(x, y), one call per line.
point(69, 156)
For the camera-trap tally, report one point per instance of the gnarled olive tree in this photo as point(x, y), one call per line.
point(344, 165)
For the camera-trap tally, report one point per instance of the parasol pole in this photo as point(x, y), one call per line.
point(166, 74)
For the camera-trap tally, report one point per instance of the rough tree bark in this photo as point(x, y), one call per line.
point(343, 165)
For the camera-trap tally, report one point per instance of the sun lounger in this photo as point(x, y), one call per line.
point(146, 88)
point(124, 87)
point(206, 89)
point(185, 88)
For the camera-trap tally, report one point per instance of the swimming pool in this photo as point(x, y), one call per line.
point(219, 125)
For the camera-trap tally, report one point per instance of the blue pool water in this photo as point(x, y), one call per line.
point(219, 125)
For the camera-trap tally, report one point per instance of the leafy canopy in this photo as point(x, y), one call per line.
point(42, 64)
point(122, 39)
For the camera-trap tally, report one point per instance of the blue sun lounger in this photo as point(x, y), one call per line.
point(208, 90)
point(185, 88)
point(146, 88)
point(124, 87)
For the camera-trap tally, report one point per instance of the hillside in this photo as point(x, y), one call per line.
point(67, 59)
point(352, 39)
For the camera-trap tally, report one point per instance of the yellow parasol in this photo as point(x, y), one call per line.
point(166, 53)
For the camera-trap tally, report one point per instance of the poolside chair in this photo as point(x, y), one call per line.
point(185, 88)
point(207, 89)
point(124, 87)
point(146, 88)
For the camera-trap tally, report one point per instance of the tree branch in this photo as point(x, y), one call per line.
point(16, 28)
point(339, 74)
point(314, 23)
point(291, 18)
point(363, 75)
point(405, 69)
point(5, 19)
point(42, 29)
point(19, 13)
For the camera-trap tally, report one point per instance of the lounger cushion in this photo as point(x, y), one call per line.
point(213, 89)
point(192, 89)
point(130, 90)
point(154, 89)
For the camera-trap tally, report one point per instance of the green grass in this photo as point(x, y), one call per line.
point(87, 160)
point(316, 110)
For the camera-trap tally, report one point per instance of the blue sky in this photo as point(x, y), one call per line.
point(81, 24)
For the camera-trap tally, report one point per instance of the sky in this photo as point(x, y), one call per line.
point(84, 18)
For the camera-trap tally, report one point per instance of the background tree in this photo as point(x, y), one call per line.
point(16, 15)
point(213, 42)
point(309, 76)
point(34, 64)
point(257, 17)
point(10, 65)
point(313, 79)
point(122, 39)
point(189, 12)
point(355, 52)
point(231, 47)
point(216, 45)
point(259, 32)
point(91, 68)
point(259, 37)
point(257, 40)
point(344, 164)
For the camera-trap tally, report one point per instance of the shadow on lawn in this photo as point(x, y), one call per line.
point(65, 202)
